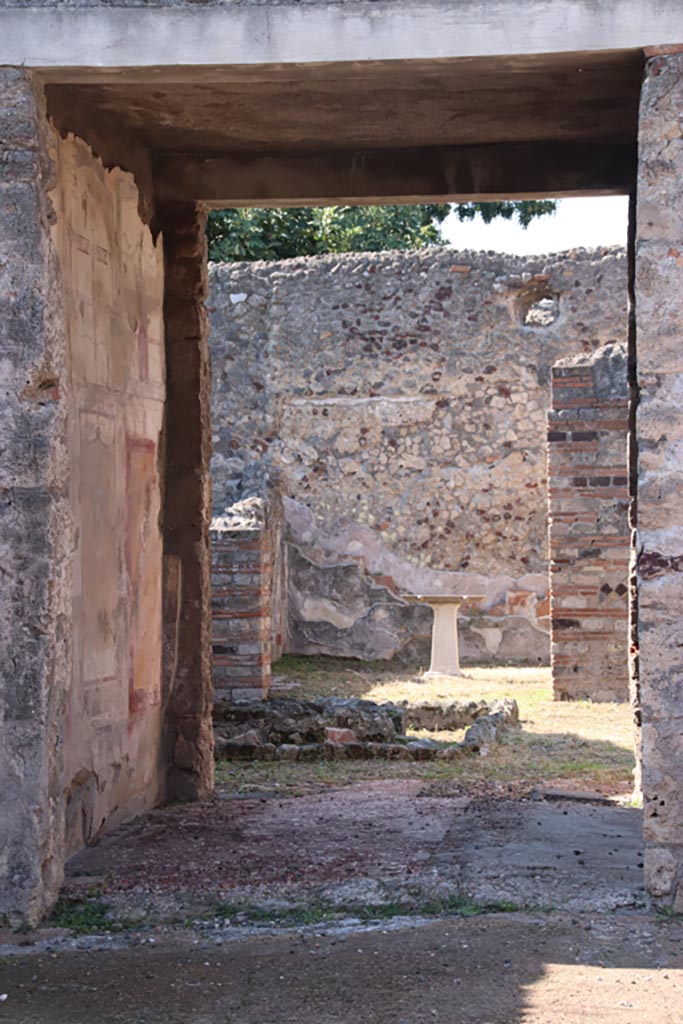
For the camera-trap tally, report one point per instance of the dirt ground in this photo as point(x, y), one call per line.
point(495, 969)
point(377, 902)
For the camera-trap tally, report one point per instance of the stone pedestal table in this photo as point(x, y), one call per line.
point(445, 657)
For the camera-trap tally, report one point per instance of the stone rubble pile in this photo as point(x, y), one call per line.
point(338, 729)
point(436, 717)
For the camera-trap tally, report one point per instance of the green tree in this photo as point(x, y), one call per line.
point(277, 234)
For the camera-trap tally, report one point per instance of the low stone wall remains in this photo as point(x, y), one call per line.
point(338, 729)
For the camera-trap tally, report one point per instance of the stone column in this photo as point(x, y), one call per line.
point(659, 334)
point(36, 539)
point(187, 510)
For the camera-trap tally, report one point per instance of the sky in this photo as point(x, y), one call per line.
point(576, 222)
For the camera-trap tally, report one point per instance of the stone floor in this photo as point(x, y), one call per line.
point(375, 843)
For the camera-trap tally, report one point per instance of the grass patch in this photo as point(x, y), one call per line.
point(522, 760)
point(322, 676)
point(297, 914)
point(321, 911)
point(87, 917)
point(663, 915)
point(82, 918)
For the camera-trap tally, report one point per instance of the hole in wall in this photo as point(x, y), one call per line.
point(535, 305)
point(543, 313)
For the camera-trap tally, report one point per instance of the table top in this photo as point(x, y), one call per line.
point(442, 598)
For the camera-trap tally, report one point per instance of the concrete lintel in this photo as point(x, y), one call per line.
point(513, 171)
point(89, 35)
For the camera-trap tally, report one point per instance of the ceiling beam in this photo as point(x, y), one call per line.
point(464, 173)
point(158, 34)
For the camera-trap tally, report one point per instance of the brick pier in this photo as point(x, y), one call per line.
point(589, 532)
point(241, 581)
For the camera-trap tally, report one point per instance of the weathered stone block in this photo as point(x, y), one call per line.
point(287, 752)
point(336, 735)
point(659, 312)
point(18, 113)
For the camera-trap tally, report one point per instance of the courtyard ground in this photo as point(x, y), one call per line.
point(497, 969)
point(568, 744)
point(493, 889)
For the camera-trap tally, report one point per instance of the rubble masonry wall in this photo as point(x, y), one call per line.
point(400, 400)
point(36, 530)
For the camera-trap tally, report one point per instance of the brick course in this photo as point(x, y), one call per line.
point(244, 557)
point(588, 497)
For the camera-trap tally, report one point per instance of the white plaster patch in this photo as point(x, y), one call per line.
point(491, 636)
point(318, 609)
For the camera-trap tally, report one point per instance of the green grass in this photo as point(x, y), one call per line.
point(82, 918)
point(322, 669)
point(86, 917)
point(321, 911)
point(663, 915)
point(522, 760)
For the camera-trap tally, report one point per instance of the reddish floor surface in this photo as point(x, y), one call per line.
point(370, 843)
point(379, 829)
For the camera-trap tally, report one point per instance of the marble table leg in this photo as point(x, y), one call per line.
point(445, 655)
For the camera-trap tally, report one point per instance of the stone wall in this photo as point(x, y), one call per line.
point(659, 334)
point(400, 399)
point(590, 543)
point(80, 497)
point(36, 533)
point(112, 282)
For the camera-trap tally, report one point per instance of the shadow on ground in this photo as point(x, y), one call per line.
point(378, 842)
point(502, 969)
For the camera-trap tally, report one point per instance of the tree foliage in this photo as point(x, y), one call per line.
point(277, 234)
point(523, 209)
